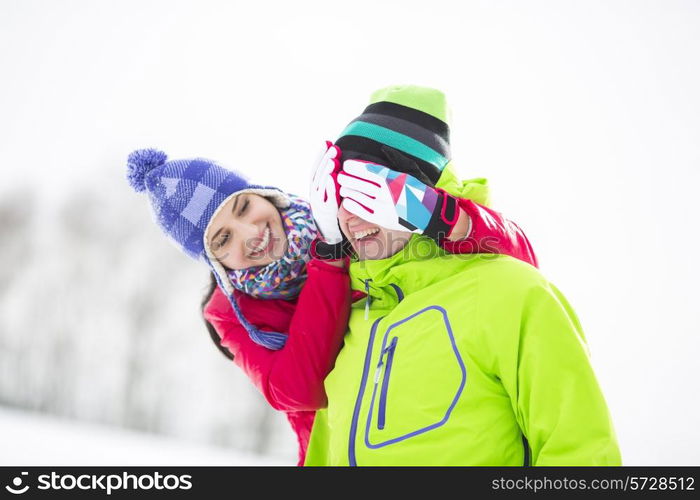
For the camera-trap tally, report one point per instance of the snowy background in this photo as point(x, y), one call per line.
point(583, 115)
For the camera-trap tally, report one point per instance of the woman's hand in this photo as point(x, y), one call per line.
point(397, 200)
point(324, 195)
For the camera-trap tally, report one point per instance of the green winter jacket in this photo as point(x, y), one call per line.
point(461, 360)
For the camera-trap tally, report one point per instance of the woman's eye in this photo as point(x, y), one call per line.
point(243, 208)
point(221, 241)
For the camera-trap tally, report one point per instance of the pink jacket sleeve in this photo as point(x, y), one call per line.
point(491, 233)
point(291, 379)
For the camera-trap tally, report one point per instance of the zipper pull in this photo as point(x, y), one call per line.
point(368, 300)
point(386, 350)
point(378, 371)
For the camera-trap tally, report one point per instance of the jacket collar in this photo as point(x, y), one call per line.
point(410, 269)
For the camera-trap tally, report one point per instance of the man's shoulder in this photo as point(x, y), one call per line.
point(499, 270)
point(507, 284)
point(501, 279)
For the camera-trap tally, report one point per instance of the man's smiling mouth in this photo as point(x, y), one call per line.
point(365, 233)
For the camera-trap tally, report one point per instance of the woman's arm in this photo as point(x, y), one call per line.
point(482, 230)
point(291, 378)
point(397, 200)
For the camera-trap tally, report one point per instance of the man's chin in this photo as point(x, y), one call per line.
point(372, 250)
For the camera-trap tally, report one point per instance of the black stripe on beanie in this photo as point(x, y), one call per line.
point(354, 147)
point(425, 120)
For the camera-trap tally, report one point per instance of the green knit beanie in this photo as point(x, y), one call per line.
point(407, 118)
point(415, 121)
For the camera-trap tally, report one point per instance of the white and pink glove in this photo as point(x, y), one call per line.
point(324, 198)
point(396, 200)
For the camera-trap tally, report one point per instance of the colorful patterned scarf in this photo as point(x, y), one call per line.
point(283, 278)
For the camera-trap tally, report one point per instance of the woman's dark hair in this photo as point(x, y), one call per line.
point(212, 332)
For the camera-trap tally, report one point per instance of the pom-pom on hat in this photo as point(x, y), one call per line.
point(185, 195)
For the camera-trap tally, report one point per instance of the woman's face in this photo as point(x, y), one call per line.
point(247, 231)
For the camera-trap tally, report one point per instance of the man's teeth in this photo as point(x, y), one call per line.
point(265, 240)
point(366, 232)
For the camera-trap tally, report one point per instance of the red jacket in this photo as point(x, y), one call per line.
point(291, 379)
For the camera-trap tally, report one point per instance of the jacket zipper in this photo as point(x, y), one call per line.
point(352, 459)
point(358, 403)
point(385, 381)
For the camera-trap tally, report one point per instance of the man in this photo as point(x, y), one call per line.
point(449, 359)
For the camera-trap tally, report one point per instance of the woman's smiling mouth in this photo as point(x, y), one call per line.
point(264, 245)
